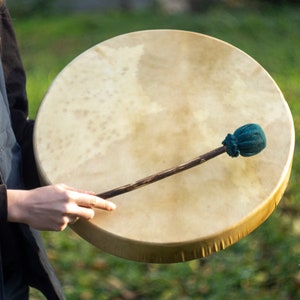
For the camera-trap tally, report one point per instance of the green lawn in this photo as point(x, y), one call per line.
point(265, 264)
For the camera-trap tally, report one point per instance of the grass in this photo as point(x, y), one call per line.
point(265, 264)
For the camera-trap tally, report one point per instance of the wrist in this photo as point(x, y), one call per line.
point(15, 206)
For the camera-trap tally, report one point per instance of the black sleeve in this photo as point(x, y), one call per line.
point(3, 204)
point(15, 81)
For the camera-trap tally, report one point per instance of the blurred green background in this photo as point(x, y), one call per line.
point(265, 264)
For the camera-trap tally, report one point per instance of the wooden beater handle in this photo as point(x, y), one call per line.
point(247, 140)
point(163, 174)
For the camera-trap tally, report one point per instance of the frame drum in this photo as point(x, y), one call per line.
point(146, 101)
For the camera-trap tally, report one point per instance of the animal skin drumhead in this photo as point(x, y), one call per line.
point(146, 101)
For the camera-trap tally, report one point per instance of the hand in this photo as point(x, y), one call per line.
point(53, 207)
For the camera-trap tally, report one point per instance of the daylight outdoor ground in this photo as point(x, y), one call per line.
point(265, 264)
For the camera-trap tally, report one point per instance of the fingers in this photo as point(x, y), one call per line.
point(81, 204)
point(69, 188)
point(86, 198)
point(73, 220)
point(91, 201)
point(76, 211)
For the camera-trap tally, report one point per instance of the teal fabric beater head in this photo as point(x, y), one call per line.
point(247, 140)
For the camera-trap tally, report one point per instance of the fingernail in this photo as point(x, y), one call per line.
point(111, 206)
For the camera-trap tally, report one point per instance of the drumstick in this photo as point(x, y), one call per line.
point(247, 140)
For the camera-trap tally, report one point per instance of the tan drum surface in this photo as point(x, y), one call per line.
point(146, 101)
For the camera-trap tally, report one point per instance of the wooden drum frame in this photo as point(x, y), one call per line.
point(146, 101)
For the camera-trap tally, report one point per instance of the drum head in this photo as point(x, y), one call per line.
point(146, 101)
